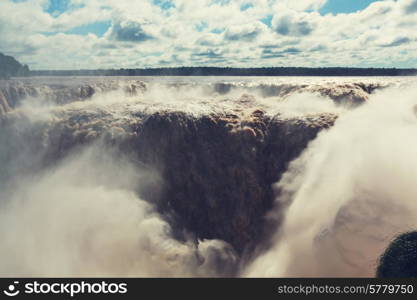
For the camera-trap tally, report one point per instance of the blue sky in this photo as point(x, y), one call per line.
point(57, 7)
point(67, 34)
point(345, 6)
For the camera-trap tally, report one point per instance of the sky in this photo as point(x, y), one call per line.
point(93, 34)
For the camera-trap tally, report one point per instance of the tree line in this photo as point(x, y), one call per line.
point(225, 71)
point(10, 67)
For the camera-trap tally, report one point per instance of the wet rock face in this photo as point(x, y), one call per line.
point(400, 258)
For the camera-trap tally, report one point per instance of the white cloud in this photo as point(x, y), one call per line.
point(209, 32)
point(247, 32)
point(302, 5)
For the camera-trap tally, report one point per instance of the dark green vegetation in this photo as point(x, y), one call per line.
point(10, 67)
point(216, 71)
point(400, 258)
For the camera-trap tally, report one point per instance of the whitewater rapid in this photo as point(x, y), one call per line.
point(204, 176)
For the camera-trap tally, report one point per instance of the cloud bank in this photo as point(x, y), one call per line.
point(150, 33)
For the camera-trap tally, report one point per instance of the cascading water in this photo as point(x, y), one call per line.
point(193, 177)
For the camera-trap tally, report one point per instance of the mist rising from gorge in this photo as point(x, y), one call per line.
point(131, 178)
